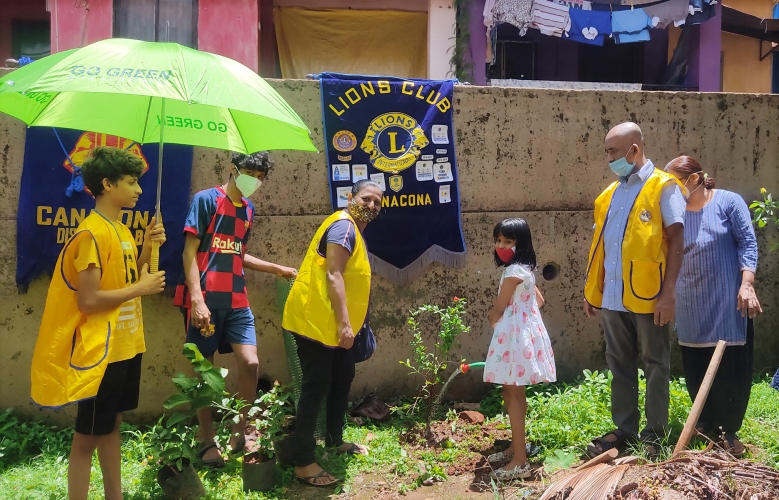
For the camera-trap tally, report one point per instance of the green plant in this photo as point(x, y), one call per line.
point(272, 415)
point(559, 460)
point(449, 324)
point(765, 211)
point(172, 438)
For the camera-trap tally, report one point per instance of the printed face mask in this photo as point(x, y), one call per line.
point(506, 254)
point(361, 212)
point(621, 167)
point(247, 184)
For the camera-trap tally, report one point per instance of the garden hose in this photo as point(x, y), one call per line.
point(467, 366)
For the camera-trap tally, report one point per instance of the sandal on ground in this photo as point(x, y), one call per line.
point(372, 407)
point(311, 480)
point(600, 445)
point(518, 472)
point(354, 449)
point(214, 462)
point(652, 446)
point(652, 450)
point(732, 445)
point(239, 447)
point(501, 456)
point(704, 434)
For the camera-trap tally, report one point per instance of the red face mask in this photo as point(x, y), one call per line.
point(506, 254)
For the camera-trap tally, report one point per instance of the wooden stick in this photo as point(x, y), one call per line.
point(606, 456)
point(700, 399)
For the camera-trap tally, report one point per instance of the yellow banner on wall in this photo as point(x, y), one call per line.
point(368, 42)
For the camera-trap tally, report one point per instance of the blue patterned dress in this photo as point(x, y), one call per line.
point(719, 243)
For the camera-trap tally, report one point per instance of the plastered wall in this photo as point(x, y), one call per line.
point(533, 153)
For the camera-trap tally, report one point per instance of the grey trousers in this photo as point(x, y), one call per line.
point(624, 331)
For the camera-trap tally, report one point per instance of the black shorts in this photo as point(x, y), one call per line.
point(118, 392)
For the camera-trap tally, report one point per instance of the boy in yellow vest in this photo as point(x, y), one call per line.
point(634, 261)
point(91, 338)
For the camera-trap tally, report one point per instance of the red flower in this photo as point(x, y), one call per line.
point(456, 299)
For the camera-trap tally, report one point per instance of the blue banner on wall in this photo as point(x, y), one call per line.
point(397, 132)
point(47, 216)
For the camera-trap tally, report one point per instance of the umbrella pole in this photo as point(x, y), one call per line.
point(154, 261)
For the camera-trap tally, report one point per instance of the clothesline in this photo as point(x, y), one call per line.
point(590, 22)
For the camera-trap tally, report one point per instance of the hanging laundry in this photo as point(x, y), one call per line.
point(576, 4)
point(489, 22)
point(671, 11)
point(550, 18)
point(696, 6)
point(514, 12)
point(487, 14)
point(701, 17)
point(587, 26)
point(631, 25)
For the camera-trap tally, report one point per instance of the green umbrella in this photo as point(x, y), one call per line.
point(154, 92)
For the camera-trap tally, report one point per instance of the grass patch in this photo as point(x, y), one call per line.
point(562, 419)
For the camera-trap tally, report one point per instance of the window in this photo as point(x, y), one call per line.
point(515, 60)
point(150, 19)
point(30, 39)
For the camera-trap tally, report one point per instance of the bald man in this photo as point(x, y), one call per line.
point(634, 261)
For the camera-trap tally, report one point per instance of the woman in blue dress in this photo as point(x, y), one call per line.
point(716, 300)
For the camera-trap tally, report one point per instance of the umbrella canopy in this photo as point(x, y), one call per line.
point(129, 88)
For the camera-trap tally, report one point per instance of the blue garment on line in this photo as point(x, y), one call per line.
point(719, 243)
point(630, 26)
point(583, 19)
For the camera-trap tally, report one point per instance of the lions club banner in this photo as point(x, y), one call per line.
point(397, 132)
point(53, 201)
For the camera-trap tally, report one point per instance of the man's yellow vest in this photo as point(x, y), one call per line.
point(73, 348)
point(308, 311)
point(644, 248)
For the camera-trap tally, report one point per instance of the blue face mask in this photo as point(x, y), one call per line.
point(621, 167)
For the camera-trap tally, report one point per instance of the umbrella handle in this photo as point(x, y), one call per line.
point(154, 259)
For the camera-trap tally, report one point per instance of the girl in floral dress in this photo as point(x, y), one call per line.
point(520, 352)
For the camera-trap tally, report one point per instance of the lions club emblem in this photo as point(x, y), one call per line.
point(645, 216)
point(396, 183)
point(344, 141)
point(394, 142)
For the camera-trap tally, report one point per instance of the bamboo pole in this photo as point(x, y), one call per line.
point(604, 457)
point(700, 399)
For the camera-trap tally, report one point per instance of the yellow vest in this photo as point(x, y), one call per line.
point(644, 248)
point(308, 311)
point(73, 348)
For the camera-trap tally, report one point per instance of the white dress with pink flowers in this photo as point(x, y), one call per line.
point(520, 351)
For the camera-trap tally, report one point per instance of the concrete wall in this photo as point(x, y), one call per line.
point(533, 153)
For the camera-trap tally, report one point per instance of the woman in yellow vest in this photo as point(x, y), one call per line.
point(325, 309)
